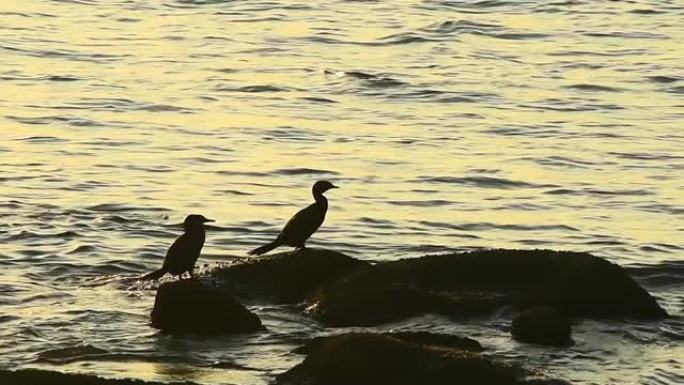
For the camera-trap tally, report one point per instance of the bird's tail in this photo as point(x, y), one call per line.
point(266, 248)
point(154, 275)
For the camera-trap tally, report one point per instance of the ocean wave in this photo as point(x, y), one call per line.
point(123, 207)
point(668, 272)
point(66, 54)
point(73, 121)
point(120, 105)
point(25, 235)
point(487, 226)
point(304, 171)
point(49, 78)
point(566, 162)
point(422, 203)
point(599, 192)
point(253, 89)
point(481, 181)
point(664, 79)
point(592, 88)
point(88, 352)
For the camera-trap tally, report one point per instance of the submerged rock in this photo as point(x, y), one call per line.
point(542, 325)
point(472, 283)
point(372, 359)
point(286, 277)
point(44, 377)
point(188, 306)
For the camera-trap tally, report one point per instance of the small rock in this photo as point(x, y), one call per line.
point(542, 325)
point(188, 306)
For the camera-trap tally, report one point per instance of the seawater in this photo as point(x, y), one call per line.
point(449, 125)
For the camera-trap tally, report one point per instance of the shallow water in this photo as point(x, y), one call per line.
point(448, 124)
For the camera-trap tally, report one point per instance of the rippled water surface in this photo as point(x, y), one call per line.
point(448, 125)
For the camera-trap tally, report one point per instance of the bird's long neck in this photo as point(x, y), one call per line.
point(320, 198)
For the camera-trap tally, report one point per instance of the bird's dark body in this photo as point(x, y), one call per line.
point(303, 224)
point(185, 250)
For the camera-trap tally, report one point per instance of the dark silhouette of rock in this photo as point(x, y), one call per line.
point(372, 359)
point(378, 301)
point(477, 282)
point(188, 306)
point(542, 325)
point(44, 377)
point(598, 288)
point(286, 277)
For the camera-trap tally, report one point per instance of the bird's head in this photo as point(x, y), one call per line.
point(195, 221)
point(322, 186)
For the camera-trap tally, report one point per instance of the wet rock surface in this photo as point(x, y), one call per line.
point(371, 359)
point(542, 325)
point(285, 277)
point(374, 304)
point(473, 283)
point(188, 306)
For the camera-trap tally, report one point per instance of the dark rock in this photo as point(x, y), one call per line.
point(372, 359)
point(44, 377)
point(345, 304)
point(542, 325)
point(286, 277)
point(472, 283)
point(598, 288)
point(188, 306)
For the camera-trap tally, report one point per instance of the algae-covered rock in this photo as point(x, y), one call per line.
point(477, 282)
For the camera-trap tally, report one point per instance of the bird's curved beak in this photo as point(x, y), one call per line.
point(208, 220)
point(333, 186)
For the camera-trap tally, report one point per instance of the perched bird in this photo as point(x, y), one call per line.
point(300, 227)
point(185, 250)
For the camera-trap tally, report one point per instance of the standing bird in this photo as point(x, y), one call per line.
point(300, 227)
point(185, 250)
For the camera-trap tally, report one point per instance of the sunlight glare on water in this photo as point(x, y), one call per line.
point(448, 125)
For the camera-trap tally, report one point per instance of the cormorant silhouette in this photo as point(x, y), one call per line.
point(185, 250)
point(300, 227)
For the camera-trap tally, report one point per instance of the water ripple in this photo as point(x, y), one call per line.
point(482, 181)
